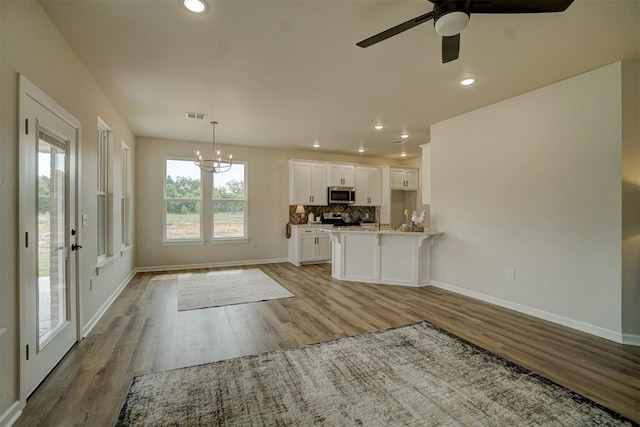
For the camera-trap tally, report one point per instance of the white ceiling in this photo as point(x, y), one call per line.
point(287, 73)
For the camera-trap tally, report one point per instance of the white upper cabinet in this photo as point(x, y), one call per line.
point(404, 178)
point(307, 183)
point(368, 186)
point(341, 175)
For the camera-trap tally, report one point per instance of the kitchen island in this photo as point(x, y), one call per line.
point(382, 256)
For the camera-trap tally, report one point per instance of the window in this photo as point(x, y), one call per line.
point(104, 219)
point(230, 203)
point(182, 201)
point(125, 197)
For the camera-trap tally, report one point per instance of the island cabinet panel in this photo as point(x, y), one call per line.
point(361, 251)
point(307, 183)
point(341, 175)
point(368, 186)
point(382, 256)
point(399, 269)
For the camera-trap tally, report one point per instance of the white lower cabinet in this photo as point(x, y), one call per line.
point(308, 244)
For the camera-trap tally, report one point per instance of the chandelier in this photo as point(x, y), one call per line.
point(215, 164)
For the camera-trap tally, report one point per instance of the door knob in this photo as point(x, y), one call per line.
point(75, 247)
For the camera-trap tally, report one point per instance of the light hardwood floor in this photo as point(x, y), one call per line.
point(143, 332)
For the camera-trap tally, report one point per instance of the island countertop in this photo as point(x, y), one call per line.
point(383, 231)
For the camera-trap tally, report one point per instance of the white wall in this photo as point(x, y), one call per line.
point(533, 183)
point(268, 203)
point(31, 45)
point(631, 199)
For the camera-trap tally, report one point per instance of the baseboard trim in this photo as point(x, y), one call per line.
point(209, 265)
point(630, 339)
point(541, 314)
point(11, 415)
point(103, 309)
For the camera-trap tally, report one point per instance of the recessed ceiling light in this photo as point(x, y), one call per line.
point(361, 150)
point(403, 154)
point(404, 136)
point(316, 144)
point(378, 127)
point(468, 81)
point(195, 6)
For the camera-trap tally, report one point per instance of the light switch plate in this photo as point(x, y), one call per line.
point(85, 220)
point(3, 331)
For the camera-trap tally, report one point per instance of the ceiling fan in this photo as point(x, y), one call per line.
point(450, 17)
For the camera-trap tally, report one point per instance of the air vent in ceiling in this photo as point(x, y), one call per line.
point(196, 116)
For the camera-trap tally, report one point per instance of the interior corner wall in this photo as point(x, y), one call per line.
point(31, 45)
point(631, 200)
point(532, 184)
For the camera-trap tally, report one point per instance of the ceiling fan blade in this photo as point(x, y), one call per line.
point(518, 6)
point(395, 30)
point(450, 48)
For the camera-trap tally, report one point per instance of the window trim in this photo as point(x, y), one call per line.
point(167, 241)
point(125, 198)
point(103, 188)
point(245, 237)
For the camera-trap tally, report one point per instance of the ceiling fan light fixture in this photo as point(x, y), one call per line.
point(195, 6)
point(451, 23)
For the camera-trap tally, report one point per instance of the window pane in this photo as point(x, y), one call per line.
point(182, 200)
point(183, 219)
point(183, 180)
point(229, 203)
point(228, 218)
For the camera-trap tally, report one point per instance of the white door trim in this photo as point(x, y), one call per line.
point(27, 90)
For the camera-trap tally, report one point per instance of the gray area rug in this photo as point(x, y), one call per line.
point(413, 375)
point(227, 287)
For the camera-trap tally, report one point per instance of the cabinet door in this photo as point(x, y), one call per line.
point(397, 179)
point(375, 187)
point(300, 184)
point(348, 175)
point(411, 179)
point(307, 247)
point(323, 246)
point(318, 184)
point(362, 186)
point(341, 175)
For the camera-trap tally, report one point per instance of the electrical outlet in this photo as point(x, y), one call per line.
point(148, 249)
point(254, 244)
point(511, 273)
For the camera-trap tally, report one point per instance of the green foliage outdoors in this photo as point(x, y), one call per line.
point(44, 193)
point(227, 198)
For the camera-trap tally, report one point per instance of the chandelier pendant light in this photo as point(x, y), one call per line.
point(215, 164)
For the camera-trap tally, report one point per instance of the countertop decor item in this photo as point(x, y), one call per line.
point(215, 164)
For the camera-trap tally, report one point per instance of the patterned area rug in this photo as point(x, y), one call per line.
point(227, 287)
point(412, 375)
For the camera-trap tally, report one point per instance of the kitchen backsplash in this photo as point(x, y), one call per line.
point(355, 212)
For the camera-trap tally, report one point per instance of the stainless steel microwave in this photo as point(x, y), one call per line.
point(342, 195)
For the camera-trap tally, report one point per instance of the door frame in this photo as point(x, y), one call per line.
point(29, 91)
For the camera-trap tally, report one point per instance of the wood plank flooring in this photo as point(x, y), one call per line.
point(143, 332)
